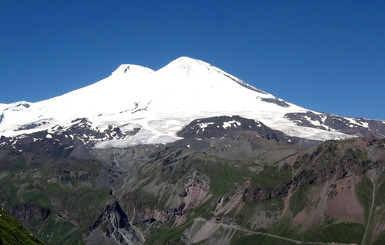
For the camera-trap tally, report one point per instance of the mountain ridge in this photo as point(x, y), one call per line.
point(161, 102)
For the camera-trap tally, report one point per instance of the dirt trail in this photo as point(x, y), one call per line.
point(363, 242)
point(236, 227)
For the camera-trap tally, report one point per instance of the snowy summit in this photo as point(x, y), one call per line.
point(157, 104)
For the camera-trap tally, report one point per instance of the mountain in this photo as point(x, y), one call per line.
point(150, 107)
point(189, 154)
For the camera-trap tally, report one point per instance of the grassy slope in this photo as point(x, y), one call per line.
point(65, 187)
point(322, 164)
point(14, 233)
point(226, 176)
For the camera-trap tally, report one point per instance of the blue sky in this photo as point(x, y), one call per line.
point(327, 56)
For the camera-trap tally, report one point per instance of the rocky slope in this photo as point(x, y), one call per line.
point(221, 185)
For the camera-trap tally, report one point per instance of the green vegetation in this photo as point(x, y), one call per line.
point(341, 232)
point(380, 190)
point(58, 231)
point(299, 199)
point(364, 191)
point(140, 200)
point(70, 189)
point(54, 194)
point(205, 210)
point(171, 236)
point(270, 208)
point(356, 155)
point(224, 176)
point(241, 239)
point(380, 239)
point(285, 228)
point(14, 233)
point(272, 176)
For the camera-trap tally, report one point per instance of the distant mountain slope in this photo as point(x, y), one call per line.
point(230, 180)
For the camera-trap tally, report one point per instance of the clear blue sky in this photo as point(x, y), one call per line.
point(323, 55)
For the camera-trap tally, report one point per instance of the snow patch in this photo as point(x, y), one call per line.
point(204, 125)
point(231, 123)
point(358, 122)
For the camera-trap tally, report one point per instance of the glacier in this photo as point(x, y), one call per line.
point(159, 103)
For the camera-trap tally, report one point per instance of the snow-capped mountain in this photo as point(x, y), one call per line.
point(136, 105)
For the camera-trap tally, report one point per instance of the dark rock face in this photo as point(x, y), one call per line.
point(26, 211)
point(195, 144)
point(338, 158)
point(113, 227)
point(217, 127)
point(304, 119)
point(116, 215)
point(1, 117)
point(357, 126)
point(75, 141)
point(31, 125)
point(220, 126)
point(276, 101)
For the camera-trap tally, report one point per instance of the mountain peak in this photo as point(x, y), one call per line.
point(129, 68)
point(159, 103)
point(188, 66)
point(187, 60)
